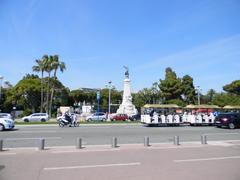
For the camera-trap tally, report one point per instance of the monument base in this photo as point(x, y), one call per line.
point(128, 109)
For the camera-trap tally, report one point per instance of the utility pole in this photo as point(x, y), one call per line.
point(198, 94)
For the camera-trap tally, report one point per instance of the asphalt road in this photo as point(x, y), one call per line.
point(214, 162)
point(28, 136)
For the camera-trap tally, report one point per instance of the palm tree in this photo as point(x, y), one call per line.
point(47, 61)
point(40, 68)
point(56, 64)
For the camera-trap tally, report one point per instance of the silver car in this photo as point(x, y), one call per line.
point(41, 117)
point(99, 116)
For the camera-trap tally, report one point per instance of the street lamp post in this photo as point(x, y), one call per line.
point(198, 94)
point(109, 97)
point(1, 78)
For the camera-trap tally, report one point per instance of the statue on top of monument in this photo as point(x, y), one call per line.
point(126, 72)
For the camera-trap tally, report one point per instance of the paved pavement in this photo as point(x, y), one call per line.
point(28, 136)
point(215, 161)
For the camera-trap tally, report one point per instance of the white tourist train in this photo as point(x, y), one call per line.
point(174, 115)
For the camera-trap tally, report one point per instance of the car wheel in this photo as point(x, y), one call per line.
point(89, 119)
point(103, 119)
point(1, 127)
point(43, 120)
point(231, 126)
point(26, 120)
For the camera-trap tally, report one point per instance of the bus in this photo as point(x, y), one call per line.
point(161, 114)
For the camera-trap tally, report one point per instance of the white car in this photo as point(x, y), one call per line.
point(6, 115)
point(41, 117)
point(6, 123)
point(99, 116)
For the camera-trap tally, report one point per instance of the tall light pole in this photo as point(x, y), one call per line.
point(198, 94)
point(109, 97)
point(1, 78)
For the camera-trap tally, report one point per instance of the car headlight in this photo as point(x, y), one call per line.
point(7, 121)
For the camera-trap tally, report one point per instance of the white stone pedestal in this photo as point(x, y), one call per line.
point(127, 106)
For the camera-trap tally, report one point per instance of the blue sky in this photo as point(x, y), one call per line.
point(96, 38)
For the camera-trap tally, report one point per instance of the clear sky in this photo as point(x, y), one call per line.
point(96, 38)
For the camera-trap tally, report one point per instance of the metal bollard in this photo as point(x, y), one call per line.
point(41, 144)
point(114, 142)
point(203, 139)
point(1, 145)
point(79, 143)
point(146, 141)
point(176, 140)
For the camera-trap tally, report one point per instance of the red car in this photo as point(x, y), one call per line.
point(120, 117)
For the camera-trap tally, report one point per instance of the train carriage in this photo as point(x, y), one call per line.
point(161, 114)
point(201, 114)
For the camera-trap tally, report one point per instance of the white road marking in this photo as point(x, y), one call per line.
point(221, 134)
point(47, 131)
point(16, 139)
point(92, 166)
point(7, 154)
point(78, 151)
point(176, 147)
point(99, 127)
point(206, 159)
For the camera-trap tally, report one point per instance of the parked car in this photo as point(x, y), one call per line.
point(230, 120)
point(42, 117)
point(6, 115)
point(99, 116)
point(119, 117)
point(6, 123)
point(135, 117)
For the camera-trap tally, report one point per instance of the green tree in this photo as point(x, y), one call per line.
point(40, 67)
point(61, 95)
point(77, 96)
point(56, 65)
point(210, 96)
point(47, 61)
point(171, 86)
point(155, 93)
point(4, 105)
point(26, 93)
point(223, 99)
point(188, 90)
point(233, 87)
point(143, 97)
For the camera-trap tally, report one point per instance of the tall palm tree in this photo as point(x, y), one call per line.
point(47, 60)
point(39, 67)
point(56, 64)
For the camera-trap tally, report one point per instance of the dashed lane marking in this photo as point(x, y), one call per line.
point(206, 159)
point(92, 166)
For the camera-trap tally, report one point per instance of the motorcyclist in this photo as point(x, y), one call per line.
point(67, 116)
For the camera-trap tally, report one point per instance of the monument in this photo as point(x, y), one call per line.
point(127, 106)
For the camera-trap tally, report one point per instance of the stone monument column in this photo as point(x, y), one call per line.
point(127, 106)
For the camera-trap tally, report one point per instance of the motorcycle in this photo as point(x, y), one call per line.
point(67, 120)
